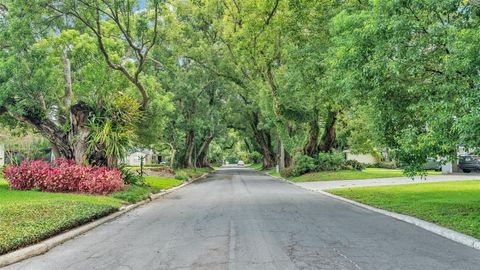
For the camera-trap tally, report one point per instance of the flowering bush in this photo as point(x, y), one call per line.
point(102, 181)
point(63, 176)
point(26, 175)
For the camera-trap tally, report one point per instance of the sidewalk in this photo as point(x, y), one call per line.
point(323, 185)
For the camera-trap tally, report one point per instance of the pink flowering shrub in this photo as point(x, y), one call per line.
point(26, 175)
point(102, 181)
point(63, 176)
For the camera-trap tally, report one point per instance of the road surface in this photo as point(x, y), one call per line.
point(323, 185)
point(240, 219)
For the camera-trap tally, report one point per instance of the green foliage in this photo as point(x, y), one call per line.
point(229, 78)
point(29, 216)
point(384, 165)
point(303, 164)
point(131, 177)
point(190, 173)
point(329, 161)
point(132, 194)
point(255, 157)
point(160, 183)
point(112, 130)
point(355, 165)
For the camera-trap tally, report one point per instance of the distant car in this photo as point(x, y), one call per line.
point(469, 163)
point(240, 163)
point(433, 164)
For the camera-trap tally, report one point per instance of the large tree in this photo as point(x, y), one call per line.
point(74, 71)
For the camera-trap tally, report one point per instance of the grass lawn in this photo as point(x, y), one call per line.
point(159, 183)
point(455, 205)
point(256, 166)
point(133, 194)
point(184, 174)
point(351, 175)
point(27, 217)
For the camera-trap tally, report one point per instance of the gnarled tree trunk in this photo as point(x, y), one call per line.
point(263, 139)
point(329, 134)
point(202, 157)
point(311, 147)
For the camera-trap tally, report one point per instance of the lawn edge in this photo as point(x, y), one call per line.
point(426, 225)
point(49, 243)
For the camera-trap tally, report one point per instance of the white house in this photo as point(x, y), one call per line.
point(2, 154)
point(362, 158)
point(134, 158)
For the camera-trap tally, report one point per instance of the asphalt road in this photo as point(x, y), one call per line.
point(239, 219)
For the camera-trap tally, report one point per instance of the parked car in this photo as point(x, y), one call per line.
point(240, 163)
point(469, 163)
point(433, 164)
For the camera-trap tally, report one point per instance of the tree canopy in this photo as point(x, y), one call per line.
point(269, 79)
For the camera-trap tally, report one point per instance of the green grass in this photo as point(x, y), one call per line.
point(351, 175)
point(133, 194)
point(256, 166)
point(455, 205)
point(27, 217)
point(161, 183)
point(259, 167)
point(185, 174)
point(31, 216)
point(273, 172)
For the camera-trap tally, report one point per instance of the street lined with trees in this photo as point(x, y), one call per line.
point(308, 90)
point(291, 78)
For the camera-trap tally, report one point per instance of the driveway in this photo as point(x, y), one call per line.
point(323, 185)
point(240, 219)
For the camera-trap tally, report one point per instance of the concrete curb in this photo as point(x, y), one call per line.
point(46, 245)
point(433, 228)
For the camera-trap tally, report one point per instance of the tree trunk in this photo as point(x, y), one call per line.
point(263, 139)
point(329, 135)
point(281, 153)
point(172, 158)
point(311, 147)
point(189, 142)
point(202, 157)
point(79, 132)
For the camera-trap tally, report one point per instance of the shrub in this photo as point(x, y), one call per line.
point(26, 175)
point(63, 176)
point(329, 161)
point(355, 165)
point(131, 177)
point(288, 172)
point(102, 181)
point(303, 164)
point(383, 165)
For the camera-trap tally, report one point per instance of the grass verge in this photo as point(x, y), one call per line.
point(256, 166)
point(455, 205)
point(185, 174)
point(154, 184)
point(368, 173)
point(27, 217)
